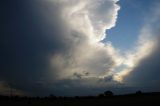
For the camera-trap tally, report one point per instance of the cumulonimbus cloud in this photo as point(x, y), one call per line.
point(86, 26)
point(55, 45)
point(47, 41)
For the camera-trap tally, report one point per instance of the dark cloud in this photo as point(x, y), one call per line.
point(51, 47)
point(146, 74)
point(41, 45)
point(27, 39)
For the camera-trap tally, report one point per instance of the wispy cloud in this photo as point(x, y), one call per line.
point(142, 63)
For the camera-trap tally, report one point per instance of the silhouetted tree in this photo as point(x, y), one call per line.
point(139, 92)
point(108, 93)
point(101, 95)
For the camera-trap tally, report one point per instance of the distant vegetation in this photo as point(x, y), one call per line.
point(106, 98)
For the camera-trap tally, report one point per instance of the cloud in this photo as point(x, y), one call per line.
point(44, 42)
point(143, 72)
point(86, 29)
point(54, 46)
point(5, 89)
point(133, 58)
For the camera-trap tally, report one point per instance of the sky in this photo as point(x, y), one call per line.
point(79, 47)
point(130, 17)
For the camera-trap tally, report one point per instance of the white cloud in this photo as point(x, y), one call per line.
point(61, 41)
point(86, 22)
point(145, 47)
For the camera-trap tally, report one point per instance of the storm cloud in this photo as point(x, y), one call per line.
point(44, 42)
point(55, 46)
